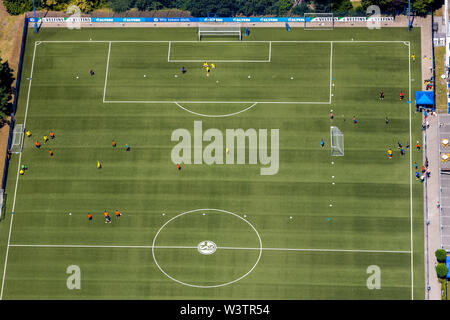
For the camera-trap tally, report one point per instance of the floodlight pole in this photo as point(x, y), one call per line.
point(35, 19)
point(409, 15)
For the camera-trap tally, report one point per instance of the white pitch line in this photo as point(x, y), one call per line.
point(224, 41)
point(106, 75)
point(168, 54)
point(317, 250)
point(270, 51)
point(223, 102)
point(331, 68)
point(195, 247)
point(216, 116)
point(410, 175)
point(17, 177)
point(222, 61)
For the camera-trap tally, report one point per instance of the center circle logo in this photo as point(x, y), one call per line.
point(206, 247)
point(234, 260)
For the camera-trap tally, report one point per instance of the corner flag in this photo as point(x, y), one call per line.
point(288, 28)
point(247, 32)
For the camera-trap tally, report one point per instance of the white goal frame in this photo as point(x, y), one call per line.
point(319, 21)
point(17, 140)
point(337, 142)
point(219, 30)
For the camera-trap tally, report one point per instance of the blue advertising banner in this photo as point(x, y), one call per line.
point(230, 19)
point(241, 19)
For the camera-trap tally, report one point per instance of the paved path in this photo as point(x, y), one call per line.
point(432, 186)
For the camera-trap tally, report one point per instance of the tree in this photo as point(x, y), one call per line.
point(341, 6)
point(422, 7)
point(300, 9)
point(441, 255)
point(84, 5)
point(441, 270)
point(143, 5)
point(283, 7)
point(6, 89)
point(16, 7)
point(204, 8)
point(119, 5)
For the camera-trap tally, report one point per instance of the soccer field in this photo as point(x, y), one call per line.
point(309, 229)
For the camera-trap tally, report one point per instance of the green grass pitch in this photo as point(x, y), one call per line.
point(348, 213)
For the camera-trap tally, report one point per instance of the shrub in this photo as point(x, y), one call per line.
point(441, 255)
point(441, 270)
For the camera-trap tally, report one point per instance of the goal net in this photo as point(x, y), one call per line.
point(2, 204)
point(337, 142)
point(219, 30)
point(17, 140)
point(319, 21)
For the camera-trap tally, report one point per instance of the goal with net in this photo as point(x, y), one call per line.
point(337, 142)
point(17, 140)
point(219, 30)
point(319, 21)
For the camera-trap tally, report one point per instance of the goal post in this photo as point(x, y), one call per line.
point(319, 21)
point(337, 142)
point(17, 140)
point(219, 30)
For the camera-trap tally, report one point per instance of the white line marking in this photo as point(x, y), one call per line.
point(195, 247)
point(168, 54)
point(221, 61)
point(331, 67)
point(216, 116)
point(223, 102)
point(106, 75)
point(17, 176)
point(196, 41)
point(270, 51)
point(410, 176)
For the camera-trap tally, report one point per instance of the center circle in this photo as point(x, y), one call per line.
point(207, 247)
point(226, 256)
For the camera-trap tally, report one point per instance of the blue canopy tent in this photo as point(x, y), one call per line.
point(447, 263)
point(425, 100)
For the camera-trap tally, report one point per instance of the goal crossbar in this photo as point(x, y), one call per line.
point(214, 30)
